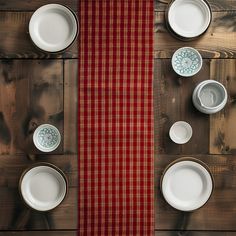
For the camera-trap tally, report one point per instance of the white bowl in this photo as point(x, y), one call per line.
point(209, 97)
point(186, 185)
point(46, 138)
point(189, 18)
point(180, 132)
point(53, 27)
point(43, 187)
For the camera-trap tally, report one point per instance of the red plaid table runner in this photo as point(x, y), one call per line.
point(115, 118)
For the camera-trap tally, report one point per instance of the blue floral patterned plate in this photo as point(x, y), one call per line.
point(186, 61)
point(46, 138)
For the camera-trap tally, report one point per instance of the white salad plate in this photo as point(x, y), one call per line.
point(186, 185)
point(46, 138)
point(180, 132)
point(43, 187)
point(53, 27)
point(189, 18)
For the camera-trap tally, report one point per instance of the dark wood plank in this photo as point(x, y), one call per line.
point(218, 214)
point(31, 94)
point(39, 233)
point(175, 103)
point(16, 215)
point(194, 233)
point(222, 124)
point(16, 42)
point(216, 5)
point(70, 106)
point(11, 167)
point(31, 5)
point(218, 42)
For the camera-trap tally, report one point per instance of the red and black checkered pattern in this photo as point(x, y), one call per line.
point(115, 118)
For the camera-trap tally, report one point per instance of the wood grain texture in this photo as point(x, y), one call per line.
point(31, 93)
point(39, 233)
point(31, 5)
point(174, 103)
point(222, 124)
point(216, 5)
point(218, 42)
point(194, 233)
point(16, 215)
point(220, 211)
point(70, 106)
point(16, 42)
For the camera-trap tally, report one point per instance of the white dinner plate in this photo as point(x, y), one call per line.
point(187, 185)
point(53, 27)
point(43, 187)
point(181, 132)
point(189, 18)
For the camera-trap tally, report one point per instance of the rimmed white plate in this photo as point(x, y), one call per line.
point(46, 138)
point(189, 18)
point(180, 132)
point(53, 27)
point(187, 185)
point(43, 187)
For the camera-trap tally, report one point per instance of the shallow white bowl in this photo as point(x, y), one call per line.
point(180, 132)
point(53, 27)
point(189, 18)
point(43, 187)
point(186, 185)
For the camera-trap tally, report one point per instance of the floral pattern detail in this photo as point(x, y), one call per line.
point(186, 61)
point(48, 137)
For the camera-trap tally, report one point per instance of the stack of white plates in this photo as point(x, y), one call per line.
point(188, 19)
point(187, 184)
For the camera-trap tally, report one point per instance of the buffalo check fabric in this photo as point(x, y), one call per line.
point(115, 118)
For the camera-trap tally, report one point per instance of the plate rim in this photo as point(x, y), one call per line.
point(47, 164)
point(178, 36)
point(75, 37)
point(35, 142)
point(193, 159)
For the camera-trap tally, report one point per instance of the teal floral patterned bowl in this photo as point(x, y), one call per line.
point(186, 61)
point(46, 138)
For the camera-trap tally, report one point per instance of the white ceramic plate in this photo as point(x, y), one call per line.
point(189, 18)
point(43, 188)
point(180, 132)
point(53, 27)
point(187, 185)
point(46, 138)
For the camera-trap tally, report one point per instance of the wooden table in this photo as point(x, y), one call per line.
point(214, 137)
point(35, 88)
